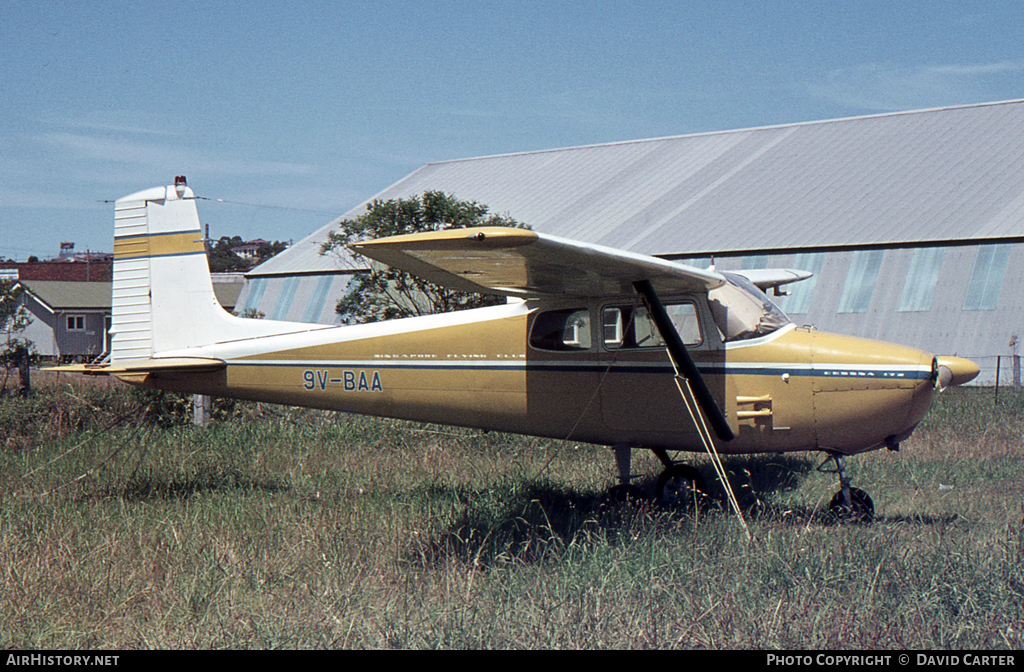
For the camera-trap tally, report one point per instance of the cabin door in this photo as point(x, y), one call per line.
point(638, 388)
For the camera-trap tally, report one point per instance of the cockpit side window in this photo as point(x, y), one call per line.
point(633, 327)
point(562, 330)
point(742, 311)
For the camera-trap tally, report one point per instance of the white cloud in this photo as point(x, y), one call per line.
point(885, 88)
point(55, 198)
point(161, 157)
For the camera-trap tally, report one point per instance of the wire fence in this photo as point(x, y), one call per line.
point(1003, 371)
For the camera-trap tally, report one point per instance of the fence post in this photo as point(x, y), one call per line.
point(999, 359)
point(24, 371)
point(201, 406)
point(1015, 362)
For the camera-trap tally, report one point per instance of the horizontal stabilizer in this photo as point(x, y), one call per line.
point(766, 278)
point(154, 365)
point(526, 264)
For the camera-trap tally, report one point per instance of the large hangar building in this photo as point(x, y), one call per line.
point(912, 222)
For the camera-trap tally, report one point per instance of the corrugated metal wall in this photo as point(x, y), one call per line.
point(297, 298)
point(969, 306)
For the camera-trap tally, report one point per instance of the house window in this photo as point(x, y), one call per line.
point(860, 281)
point(987, 279)
point(76, 322)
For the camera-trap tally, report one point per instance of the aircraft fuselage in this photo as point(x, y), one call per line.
point(794, 389)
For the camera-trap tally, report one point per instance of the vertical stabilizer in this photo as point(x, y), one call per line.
point(163, 299)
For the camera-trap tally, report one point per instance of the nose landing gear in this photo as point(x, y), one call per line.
point(849, 504)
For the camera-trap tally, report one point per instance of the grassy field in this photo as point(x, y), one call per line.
point(274, 527)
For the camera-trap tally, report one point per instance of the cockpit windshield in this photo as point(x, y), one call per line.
point(743, 311)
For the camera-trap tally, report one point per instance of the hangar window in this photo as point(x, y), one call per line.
point(754, 261)
point(255, 296)
point(318, 299)
point(562, 330)
point(698, 262)
point(922, 277)
point(860, 281)
point(284, 299)
point(987, 279)
point(798, 301)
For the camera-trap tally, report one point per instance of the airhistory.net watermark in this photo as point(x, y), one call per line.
point(54, 660)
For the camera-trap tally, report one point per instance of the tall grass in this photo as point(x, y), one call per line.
point(280, 527)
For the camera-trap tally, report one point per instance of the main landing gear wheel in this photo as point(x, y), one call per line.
point(849, 504)
point(680, 485)
point(860, 508)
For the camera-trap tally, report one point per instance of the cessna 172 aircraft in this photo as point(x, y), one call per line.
point(595, 345)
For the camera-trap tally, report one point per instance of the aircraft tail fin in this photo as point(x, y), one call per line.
point(163, 298)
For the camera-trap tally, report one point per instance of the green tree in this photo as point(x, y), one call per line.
point(222, 259)
point(267, 250)
point(385, 293)
point(14, 319)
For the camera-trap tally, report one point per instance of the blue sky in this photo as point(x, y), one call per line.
point(294, 112)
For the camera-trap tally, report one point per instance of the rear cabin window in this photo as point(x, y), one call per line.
point(633, 327)
point(562, 330)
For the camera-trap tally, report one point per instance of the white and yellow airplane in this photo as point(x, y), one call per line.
point(595, 345)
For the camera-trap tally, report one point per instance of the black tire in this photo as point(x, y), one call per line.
point(860, 510)
point(680, 485)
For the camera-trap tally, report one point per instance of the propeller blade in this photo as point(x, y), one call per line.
point(682, 359)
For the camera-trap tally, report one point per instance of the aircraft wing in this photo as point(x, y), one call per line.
point(527, 264)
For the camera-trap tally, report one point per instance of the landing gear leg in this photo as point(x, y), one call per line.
point(852, 504)
point(624, 491)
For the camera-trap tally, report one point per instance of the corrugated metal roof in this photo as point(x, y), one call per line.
point(71, 295)
point(949, 174)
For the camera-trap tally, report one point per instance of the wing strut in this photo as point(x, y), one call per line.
point(693, 390)
point(684, 365)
